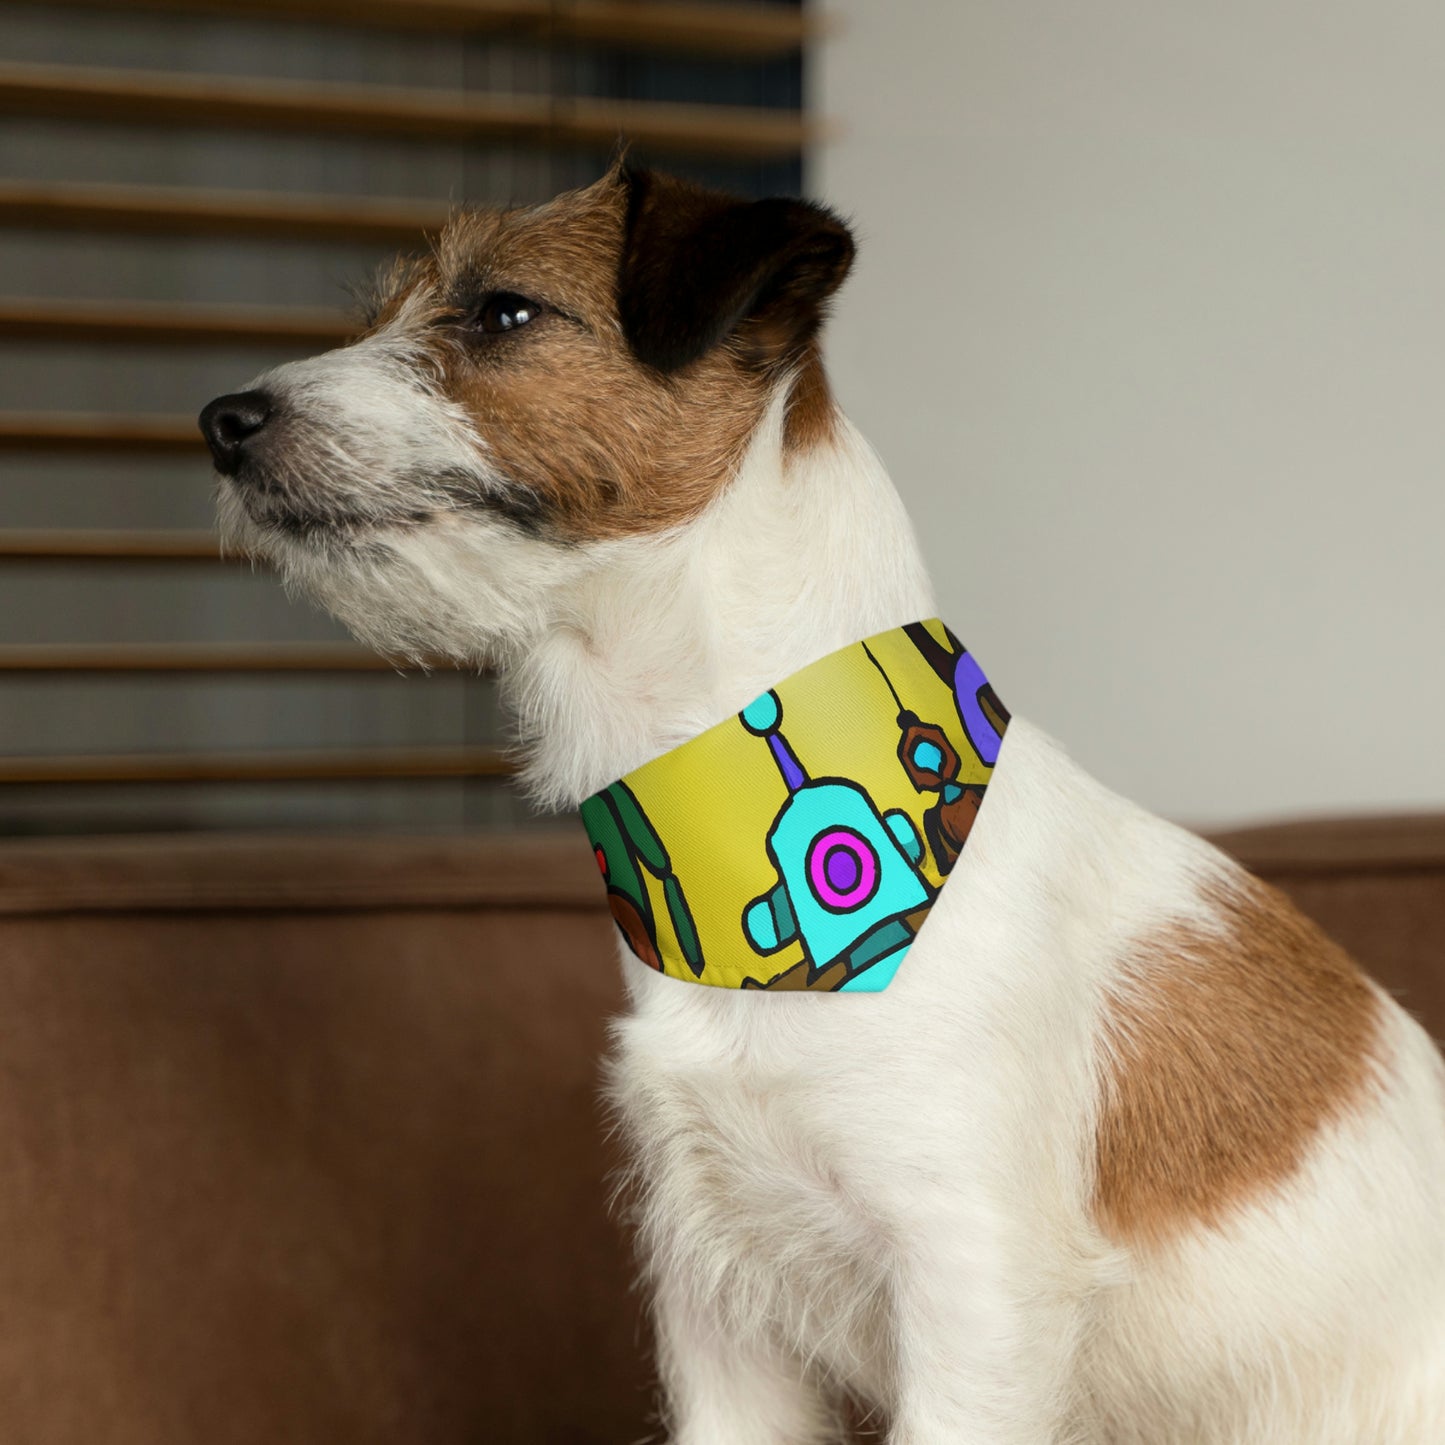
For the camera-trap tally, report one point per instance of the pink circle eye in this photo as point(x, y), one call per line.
point(842, 869)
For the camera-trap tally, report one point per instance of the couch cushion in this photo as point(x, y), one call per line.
point(299, 1141)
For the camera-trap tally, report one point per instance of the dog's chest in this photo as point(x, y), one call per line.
point(747, 1184)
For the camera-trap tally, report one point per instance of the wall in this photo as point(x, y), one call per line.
point(1149, 324)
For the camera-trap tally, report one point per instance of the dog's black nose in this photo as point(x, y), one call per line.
point(229, 422)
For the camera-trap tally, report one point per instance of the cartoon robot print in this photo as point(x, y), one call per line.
point(849, 888)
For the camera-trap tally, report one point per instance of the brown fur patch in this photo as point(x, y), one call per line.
point(1228, 1053)
point(595, 443)
point(599, 445)
point(812, 413)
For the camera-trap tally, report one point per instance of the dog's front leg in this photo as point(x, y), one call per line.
point(985, 1347)
point(723, 1387)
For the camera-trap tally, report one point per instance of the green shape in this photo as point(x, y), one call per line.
point(682, 923)
point(603, 828)
point(639, 831)
point(893, 934)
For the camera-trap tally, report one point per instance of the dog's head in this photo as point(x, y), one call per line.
point(545, 382)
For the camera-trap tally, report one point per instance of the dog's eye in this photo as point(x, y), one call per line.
point(506, 311)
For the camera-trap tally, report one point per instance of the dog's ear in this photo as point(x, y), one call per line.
point(699, 267)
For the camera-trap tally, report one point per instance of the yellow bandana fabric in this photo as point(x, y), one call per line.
point(800, 844)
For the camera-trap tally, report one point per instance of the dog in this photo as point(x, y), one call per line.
point(1127, 1153)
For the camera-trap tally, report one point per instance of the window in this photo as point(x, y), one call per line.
point(188, 192)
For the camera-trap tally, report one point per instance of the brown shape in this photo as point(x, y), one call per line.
point(634, 929)
point(796, 979)
point(948, 825)
point(1227, 1052)
point(926, 779)
point(993, 709)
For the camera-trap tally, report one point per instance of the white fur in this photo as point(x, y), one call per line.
point(889, 1194)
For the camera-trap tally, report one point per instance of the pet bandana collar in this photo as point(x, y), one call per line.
point(800, 844)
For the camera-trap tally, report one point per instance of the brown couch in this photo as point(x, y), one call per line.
point(299, 1141)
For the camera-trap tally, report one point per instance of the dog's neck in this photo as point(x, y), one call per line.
point(804, 553)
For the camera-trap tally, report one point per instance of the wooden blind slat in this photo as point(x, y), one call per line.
point(160, 98)
point(704, 29)
point(94, 431)
point(258, 767)
point(753, 31)
point(175, 211)
point(168, 323)
point(113, 96)
point(107, 546)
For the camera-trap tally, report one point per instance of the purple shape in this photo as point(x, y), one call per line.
point(788, 765)
point(841, 868)
point(968, 682)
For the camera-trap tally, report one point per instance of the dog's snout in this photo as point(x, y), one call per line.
point(229, 422)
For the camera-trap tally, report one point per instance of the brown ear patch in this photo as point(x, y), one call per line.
point(812, 416)
point(1227, 1052)
point(699, 267)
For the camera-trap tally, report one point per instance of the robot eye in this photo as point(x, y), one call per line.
point(843, 870)
point(928, 756)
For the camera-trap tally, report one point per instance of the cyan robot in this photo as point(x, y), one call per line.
point(848, 875)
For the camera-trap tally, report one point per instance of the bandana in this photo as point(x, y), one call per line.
point(800, 844)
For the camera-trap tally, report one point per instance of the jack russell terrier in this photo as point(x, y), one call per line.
point(1104, 1144)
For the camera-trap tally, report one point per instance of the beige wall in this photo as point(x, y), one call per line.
point(1149, 324)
